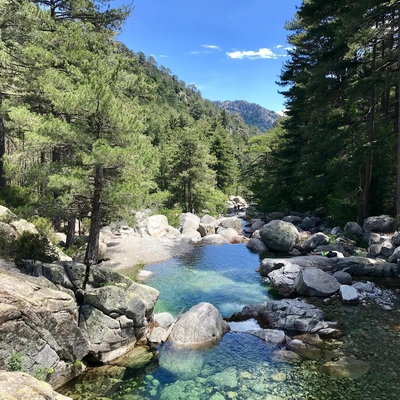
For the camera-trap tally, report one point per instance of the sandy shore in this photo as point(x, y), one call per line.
point(130, 252)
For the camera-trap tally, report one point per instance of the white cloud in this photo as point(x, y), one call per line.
point(195, 52)
point(261, 53)
point(279, 46)
point(289, 48)
point(211, 46)
point(163, 56)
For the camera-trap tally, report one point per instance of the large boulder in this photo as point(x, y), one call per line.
point(20, 226)
point(201, 325)
point(189, 221)
point(192, 234)
point(257, 245)
point(381, 223)
point(230, 235)
point(208, 220)
point(315, 282)
point(318, 239)
point(6, 215)
point(294, 219)
point(279, 235)
point(206, 229)
point(283, 279)
point(214, 239)
point(353, 230)
point(20, 385)
point(155, 225)
point(231, 222)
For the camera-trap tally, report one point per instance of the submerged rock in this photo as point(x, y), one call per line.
point(225, 379)
point(346, 367)
point(185, 364)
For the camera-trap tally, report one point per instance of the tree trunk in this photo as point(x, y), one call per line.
point(369, 158)
point(398, 115)
point(92, 249)
point(2, 151)
point(70, 232)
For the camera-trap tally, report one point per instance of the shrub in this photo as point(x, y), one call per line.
point(40, 373)
point(33, 246)
point(14, 363)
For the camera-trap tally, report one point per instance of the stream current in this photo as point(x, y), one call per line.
point(240, 367)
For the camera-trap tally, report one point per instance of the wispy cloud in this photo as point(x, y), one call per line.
point(211, 46)
point(264, 53)
point(195, 52)
point(279, 46)
point(163, 56)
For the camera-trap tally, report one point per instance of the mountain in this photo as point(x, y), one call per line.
point(252, 114)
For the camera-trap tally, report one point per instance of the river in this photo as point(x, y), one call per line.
point(239, 367)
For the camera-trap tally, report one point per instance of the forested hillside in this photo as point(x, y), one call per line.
point(340, 145)
point(252, 114)
point(89, 128)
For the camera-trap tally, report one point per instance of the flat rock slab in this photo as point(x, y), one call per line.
point(315, 282)
point(346, 367)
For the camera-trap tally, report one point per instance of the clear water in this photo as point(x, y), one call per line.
point(221, 275)
point(240, 366)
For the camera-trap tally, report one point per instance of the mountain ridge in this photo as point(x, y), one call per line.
point(253, 114)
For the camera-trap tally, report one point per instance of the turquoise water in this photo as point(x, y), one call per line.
point(240, 367)
point(221, 275)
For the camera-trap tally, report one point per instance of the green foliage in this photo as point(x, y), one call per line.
point(41, 372)
point(7, 242)
point(33, 246)
point(14, 362)
point(172, 215)
point(13, 196)
point(43, 225)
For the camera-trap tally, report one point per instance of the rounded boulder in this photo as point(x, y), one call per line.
point(280, 236)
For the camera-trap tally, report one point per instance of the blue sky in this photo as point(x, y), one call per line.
point(229, 49)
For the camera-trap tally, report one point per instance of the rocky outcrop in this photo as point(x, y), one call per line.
point(363, 266)
point(199, 326)
point(289, 315)
point(41, 320)
point(20, 385)
point(280, 236)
